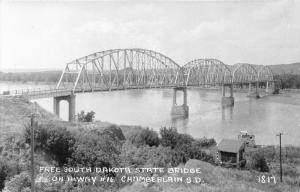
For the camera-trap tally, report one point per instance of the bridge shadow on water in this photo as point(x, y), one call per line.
point(181, 123)
point(227, 113)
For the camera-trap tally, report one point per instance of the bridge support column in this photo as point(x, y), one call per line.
point(180, 110)
point(72, 104)
point(249, 90)
point(227, 101)
point(257, 90)
point(56, 106)
point(268, 87)
point(231, 90)
point(223, 90)
point(256, 93)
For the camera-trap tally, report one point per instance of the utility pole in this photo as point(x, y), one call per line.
point(280, 158)
point(32, 127)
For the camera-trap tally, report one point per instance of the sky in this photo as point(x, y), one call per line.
point(47, 35)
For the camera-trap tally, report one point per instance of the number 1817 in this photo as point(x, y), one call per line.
point(266, 179)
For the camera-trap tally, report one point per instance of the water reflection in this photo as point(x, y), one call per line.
point(181, 123)
point(227, 113)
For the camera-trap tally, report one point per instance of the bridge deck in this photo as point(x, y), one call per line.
point(46, 93)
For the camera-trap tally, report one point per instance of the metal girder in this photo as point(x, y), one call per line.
point(142, 68)
point(120, 68)
point(202, 72)
point(244, 73)
point(264, 73)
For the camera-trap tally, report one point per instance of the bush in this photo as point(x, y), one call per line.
point(54, 140)
point(3, 173)
point(146, 156)
point(144, 137)
point(169, 137)
point(197, 152)
point(115, 132)
point(185, 147)
point(256, 160)
point(96, 148)
point(204, 142)
point(19, 182)
point(89, 117)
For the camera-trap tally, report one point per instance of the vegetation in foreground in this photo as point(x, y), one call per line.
point(100, 144)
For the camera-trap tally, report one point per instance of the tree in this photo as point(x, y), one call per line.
point(89, 117)
point(55, 140)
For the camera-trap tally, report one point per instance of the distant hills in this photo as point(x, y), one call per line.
point(293, 68)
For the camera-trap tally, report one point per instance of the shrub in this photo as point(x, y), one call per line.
point(204, 142)
point(144, 137)
point(181, 151)
point(146, 156)
point(169, 137)
point(96, 148)
point(256, 160)
point(19, 182)
point(54, 140)
point(3, 173)
point(89, 117)
point(197, 152)
point(185, 147)
point(115, 132)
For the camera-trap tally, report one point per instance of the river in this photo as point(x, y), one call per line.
point(264, 117)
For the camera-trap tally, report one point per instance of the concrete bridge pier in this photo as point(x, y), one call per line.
point(257, 90)
point(269, 87)
point(249, 88)
point(256, 93)
point(180, 110)
point(227, 101)
point(72, 103)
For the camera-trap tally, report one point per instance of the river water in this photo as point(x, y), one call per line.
point(264, 117)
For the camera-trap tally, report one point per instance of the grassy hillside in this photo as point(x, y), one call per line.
point(215, 179)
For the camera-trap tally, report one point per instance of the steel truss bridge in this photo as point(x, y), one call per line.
point(119, 69)
point(140, 68)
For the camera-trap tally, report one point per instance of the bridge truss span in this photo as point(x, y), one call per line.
point(120, 69)
point(244, 73)
point(264, 73)
point(201, 72)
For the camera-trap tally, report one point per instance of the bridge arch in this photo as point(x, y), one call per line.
point(119, 69)
point(206, 72)
point(264, 73)
point(244, 73)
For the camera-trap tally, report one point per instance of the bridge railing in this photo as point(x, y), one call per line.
point(28, 92)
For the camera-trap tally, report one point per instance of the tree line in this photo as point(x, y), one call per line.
point(287, 81)
point(283, 81)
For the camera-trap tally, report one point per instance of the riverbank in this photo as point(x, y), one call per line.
point(133, 146)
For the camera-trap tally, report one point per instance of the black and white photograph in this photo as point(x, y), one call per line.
point(149, 96)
